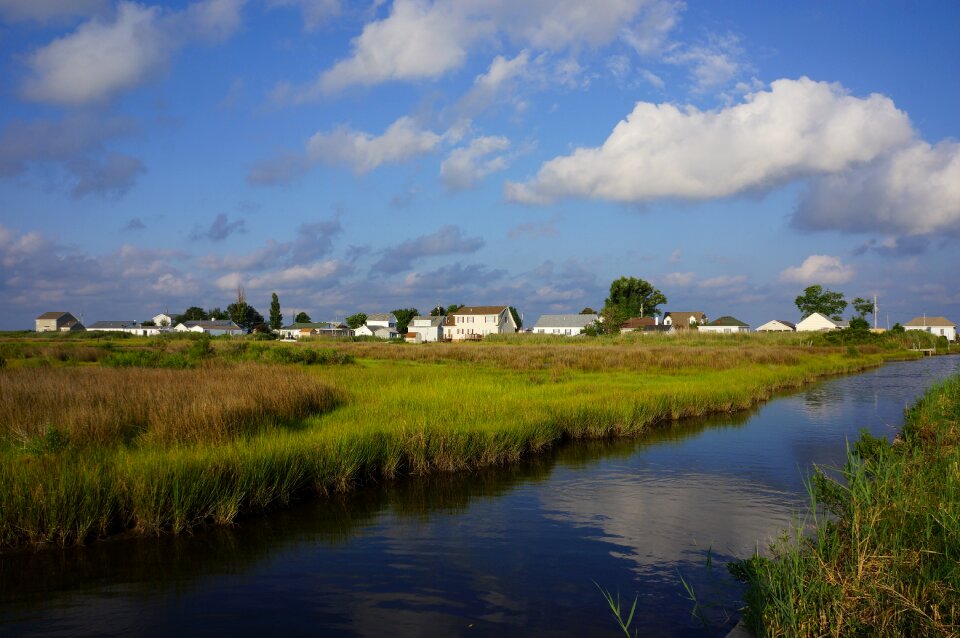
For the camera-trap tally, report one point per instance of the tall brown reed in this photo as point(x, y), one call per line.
point(105, 407)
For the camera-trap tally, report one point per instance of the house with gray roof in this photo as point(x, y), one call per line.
point(565, 325)
point(424, 329)
point(212, 327)
point(57, 322)
point(939, 326)
point(725, 325)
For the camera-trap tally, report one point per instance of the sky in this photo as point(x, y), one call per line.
point(367, 156)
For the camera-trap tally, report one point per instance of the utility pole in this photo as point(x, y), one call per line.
point(874, 311)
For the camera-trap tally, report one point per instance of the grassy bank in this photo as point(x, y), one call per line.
point(884, 555)
point(87, 451)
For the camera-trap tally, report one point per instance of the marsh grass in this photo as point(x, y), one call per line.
point(883, 558)
point(91, 451)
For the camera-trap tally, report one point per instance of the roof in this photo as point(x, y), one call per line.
point(213, 324)
point(684, 317)
point(434, 321)
point(382, 316)
point(298, 325)
point(929, 321)
point(115, 325)
point(789, 324)
point(638, 322)
point(565, 321)
point(52, 315)
point(479, 310)
point(727, 320)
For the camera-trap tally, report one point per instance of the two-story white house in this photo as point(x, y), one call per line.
point(476, 322)
point(939, 326)
point(817, 322)
point(382, 320)
point(566, 325)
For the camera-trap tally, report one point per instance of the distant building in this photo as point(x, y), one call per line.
point(476, 322)
point(164, 320)
point(939, 326)
point(425, 329)
point(128, 327)
point(57, 322)
point(382, 320)
point(725, 325)
point(566, 325)
point(682, 320)
point(212, 327)
point(639, 324)
point(778, 325)
point(817, 322)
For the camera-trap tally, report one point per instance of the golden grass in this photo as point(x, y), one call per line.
point(103, 407)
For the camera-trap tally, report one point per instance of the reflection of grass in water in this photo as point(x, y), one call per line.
point(884, 558)
point(481, 405)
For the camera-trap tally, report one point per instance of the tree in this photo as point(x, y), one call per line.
point(193, 313)
point(452, 308)
point(302, 317)
point(863, 307)
point(217, 313)
point(859, 323)
point(816, 299)
point(517, 319)
point(630, 297)
point(439, 311)
point(588, 311)
point(242, 313)
point(897, 329)
point(404, 317)
point(357, 320)
point(276, 319)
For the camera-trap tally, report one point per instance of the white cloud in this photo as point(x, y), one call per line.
point(796, 129)
point(712, 64)
point(466, 166)
point(103, 58)
point(649, 35)
point(487, 87)
point(365, 152)
point(422, 40)
point(681, 279)
point(822, 269)
point(913, 191)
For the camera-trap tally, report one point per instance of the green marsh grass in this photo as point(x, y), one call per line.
point(883, 556)
point(154, 450)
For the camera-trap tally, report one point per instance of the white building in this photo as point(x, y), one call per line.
point(426, 329)
point(778, 325)
point(128, 327)
point(820, 323)
point(939, 326)
point(382, 320)
point(725, 325)
point(476, 322)
point(566, 325)
point(164, 320)
point(212, 327)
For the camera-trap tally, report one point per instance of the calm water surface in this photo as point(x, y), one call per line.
point(511, 551)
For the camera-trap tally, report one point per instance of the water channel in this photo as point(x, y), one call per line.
point(507, 551)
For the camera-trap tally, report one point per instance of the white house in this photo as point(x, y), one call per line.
point(299, 329)
point(382, 320)
point(681, 320)
point(57, 322)
point(476, 322)
point(939, 326)
point(817, 322)
point(164, 320)
point(129, 327)
point(725, 325)
point(363, 331)
point(567, 325)
point(425, 329)
point(212, 327)
point(382, 332)
point(778, 325)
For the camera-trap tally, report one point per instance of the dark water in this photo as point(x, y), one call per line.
point(511, 551)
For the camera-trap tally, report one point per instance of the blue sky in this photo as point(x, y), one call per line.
point(369, 156)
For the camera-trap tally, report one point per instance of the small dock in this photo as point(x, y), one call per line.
point(927, 352)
